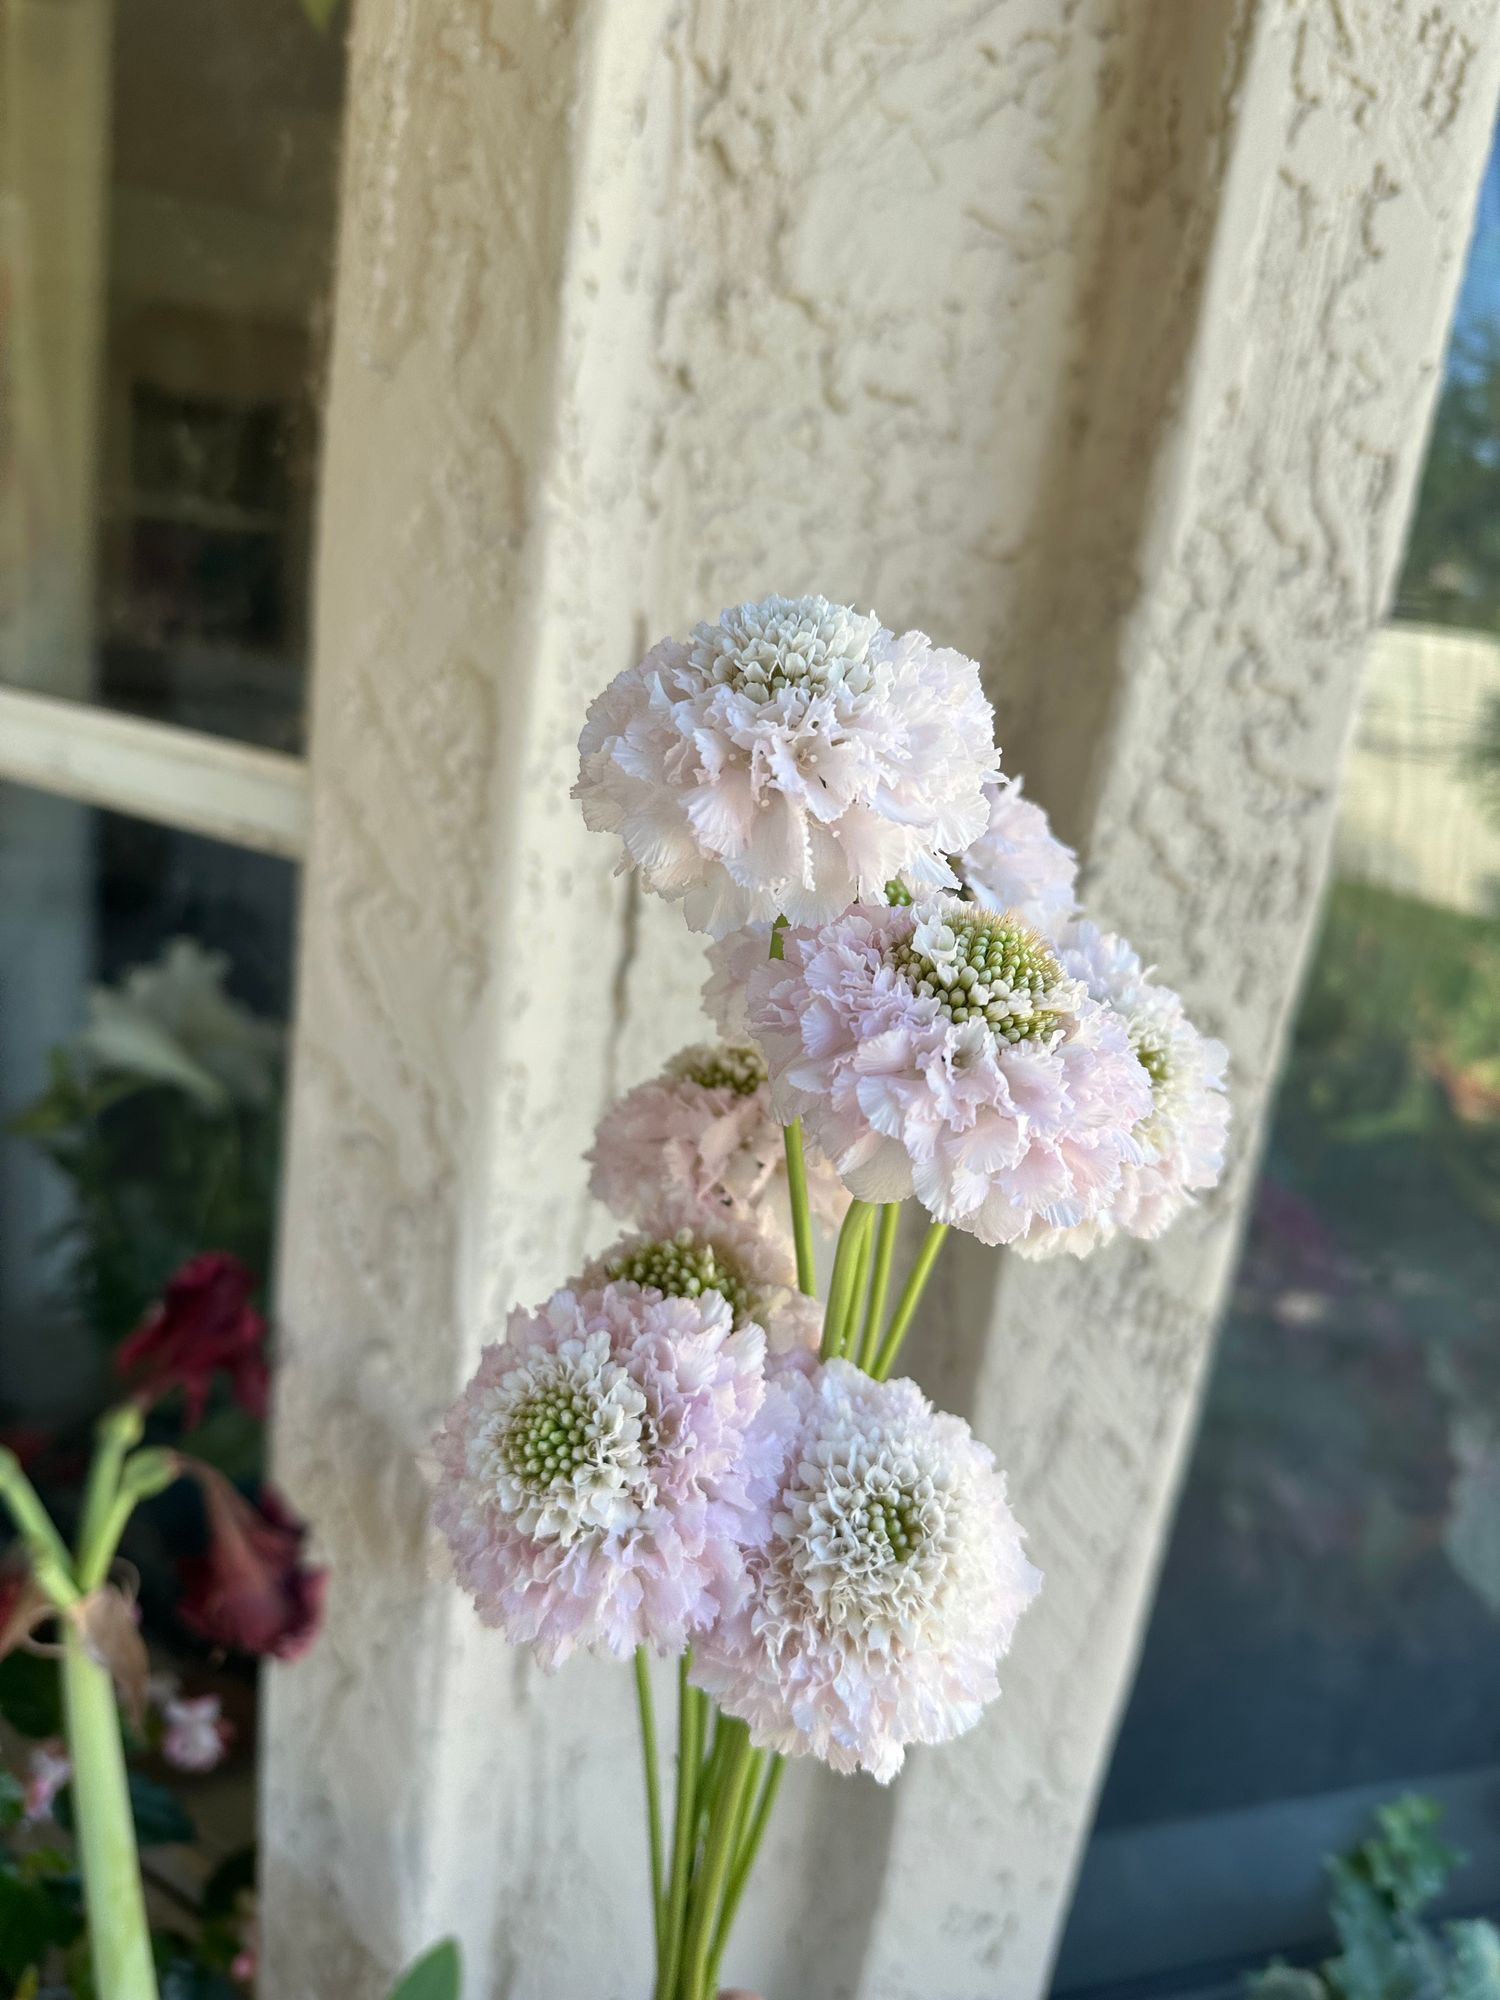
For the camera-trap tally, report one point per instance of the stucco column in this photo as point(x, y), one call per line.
point(1031, 326)
point(1222, 639)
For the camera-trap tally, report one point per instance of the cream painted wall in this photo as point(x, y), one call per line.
point(1098, 339)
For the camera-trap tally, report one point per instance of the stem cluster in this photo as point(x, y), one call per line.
point(725, 1788)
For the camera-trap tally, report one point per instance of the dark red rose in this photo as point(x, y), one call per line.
point(250, 1591)
point(203, 1324)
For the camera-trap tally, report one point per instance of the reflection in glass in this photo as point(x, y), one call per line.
point(144, 981)
point(167, 200)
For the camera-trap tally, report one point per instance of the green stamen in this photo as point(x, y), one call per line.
point(998, 971)
point(683, 1267)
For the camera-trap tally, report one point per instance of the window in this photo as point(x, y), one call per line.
point(167, 198)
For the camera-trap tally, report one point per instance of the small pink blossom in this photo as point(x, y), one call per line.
point(48, 1769)
point(196, 1735)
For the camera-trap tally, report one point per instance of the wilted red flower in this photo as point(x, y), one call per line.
point(250, 1591)
point(203, 1323)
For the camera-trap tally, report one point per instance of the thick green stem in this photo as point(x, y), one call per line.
point(744, 1858)
point(906, 1305)
point(841, 1293)
point(653, 1790)
point(718, 1856)
point(119, 1938)
point(880, 1285)
point(796, 1187)
point(691, 1708)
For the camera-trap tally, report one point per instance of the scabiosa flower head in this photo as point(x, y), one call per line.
point(687, 1254)
point(702, 1138)
point(888, 1588)
point(787, 761)
point(1181, 1137)
point(1018, 863)
point(599, 1478)
point(944, 1050)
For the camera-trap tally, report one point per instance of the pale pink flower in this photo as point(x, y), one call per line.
point(889, 1587)
point(599, 1476)
point(688, 1253)
point(1180, 1139)
point(1018, 863)
point(789, 760)
point(196, 1735)
point(942, 1050)
point(48, 1769)
point(702, 1139)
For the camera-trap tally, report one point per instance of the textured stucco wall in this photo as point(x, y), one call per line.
point(643, 308)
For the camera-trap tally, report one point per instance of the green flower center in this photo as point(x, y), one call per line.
point(735, 1066)
point(996, 970)
point(892, 1525)
point(547, 1436)
point(1151, 1053)
point(683, 1267)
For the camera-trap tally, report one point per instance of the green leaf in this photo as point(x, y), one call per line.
point(320, 12)
point(1476, 1961)
point(12, 1799)
point(234, 1876)
point(31, 1922)
point(159, 1818)
point(31, 1695)
point(436, 1976)
point(1285, 1982)
point(181, 1978)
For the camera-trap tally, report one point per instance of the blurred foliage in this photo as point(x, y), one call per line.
point(1452, 570)
point(156, 1176)
point(437, 1975)
point(1378, 1893)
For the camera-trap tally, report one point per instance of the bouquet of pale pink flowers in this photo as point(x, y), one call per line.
point(683, 1452)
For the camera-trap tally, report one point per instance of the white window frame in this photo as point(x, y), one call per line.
point(184, 778)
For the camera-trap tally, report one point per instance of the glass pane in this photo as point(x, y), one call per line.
point(167, 195)
point(145, 978)
point(1327, 1631)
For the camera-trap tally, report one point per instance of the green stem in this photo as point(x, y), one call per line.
point(744, 1861)
point(841, 1293)
point(119, 1939)
point(691, 1706)
point(880, 1284)
point(144, 1474)
point(906, 1305)
point(796, 1187)
point(718, 1855)
point(653, 1790)
point(51, 1564)
point(119, 1431)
